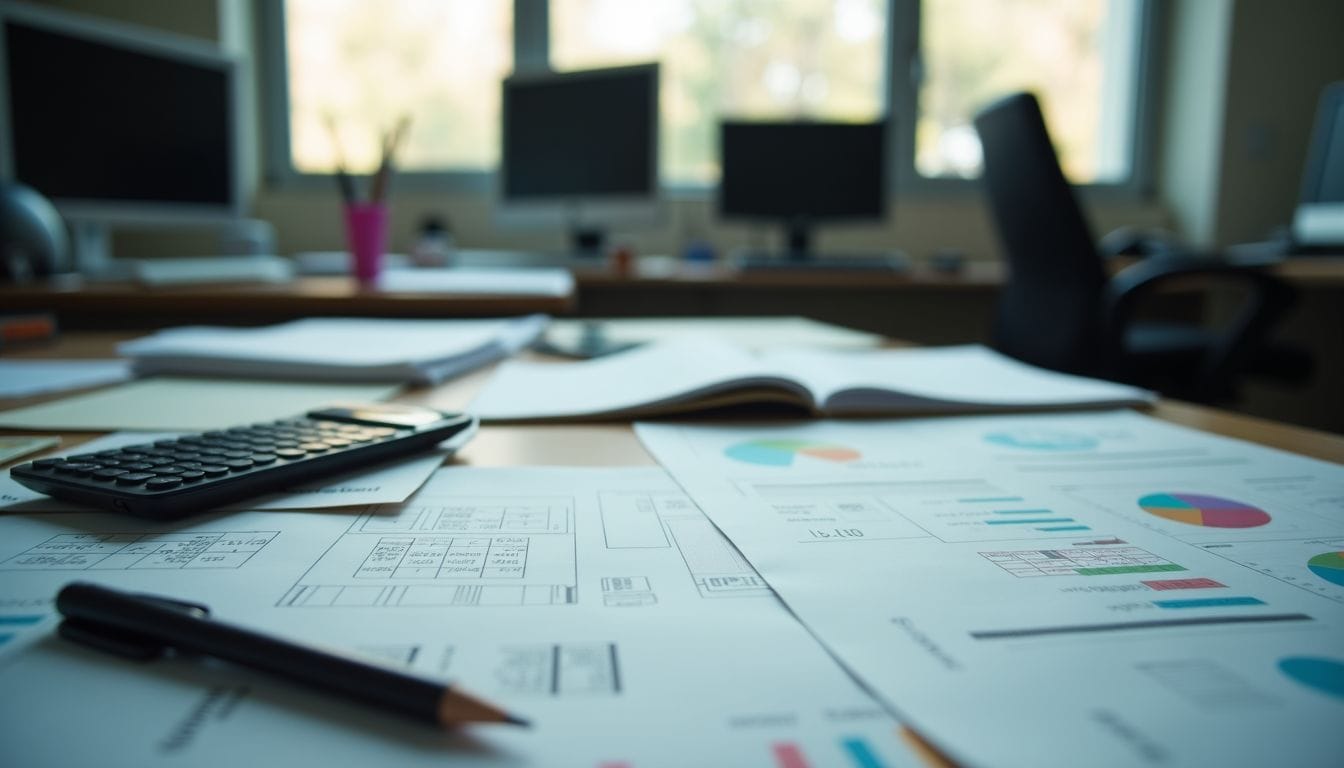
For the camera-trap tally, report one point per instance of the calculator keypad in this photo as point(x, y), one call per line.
point(169, 464)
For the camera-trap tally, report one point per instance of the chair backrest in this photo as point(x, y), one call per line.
point(1049, 312)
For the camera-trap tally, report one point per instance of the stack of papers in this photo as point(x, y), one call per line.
point(336, 349)
point(696, 373)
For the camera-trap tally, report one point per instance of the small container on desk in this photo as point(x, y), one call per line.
point(366, 238)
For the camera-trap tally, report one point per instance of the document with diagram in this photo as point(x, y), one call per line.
point(600, 604)
point(1019, 588)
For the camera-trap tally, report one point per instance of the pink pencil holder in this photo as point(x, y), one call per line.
point(366, 238)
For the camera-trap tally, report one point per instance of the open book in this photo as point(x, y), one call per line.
point(693, 374)
point(335, 349)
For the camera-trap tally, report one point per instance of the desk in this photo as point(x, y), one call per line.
point(614, 444)
point(130, 305)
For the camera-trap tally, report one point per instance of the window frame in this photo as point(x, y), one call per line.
point(900, 77)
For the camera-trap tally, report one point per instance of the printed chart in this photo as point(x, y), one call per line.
point(1042, 439)
point(1314, 565)
point(130, 551)
point(1321, 674)
point(1207, 511)
point(783, 453)
point(1329, 566)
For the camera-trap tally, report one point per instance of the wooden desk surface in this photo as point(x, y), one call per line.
point(304, 297)
point(615, 444)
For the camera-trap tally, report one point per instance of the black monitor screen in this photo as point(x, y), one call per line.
point(581, 134)
point(797, 170)
point(96, 121)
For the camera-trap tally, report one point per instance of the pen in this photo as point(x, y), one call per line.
point(343, 180)
point(147, 625)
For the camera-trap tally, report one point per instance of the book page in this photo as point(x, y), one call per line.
point(939, 378)
point(641, 380)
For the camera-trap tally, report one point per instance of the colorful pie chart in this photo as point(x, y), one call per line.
point(1324, 675)
point(1329, 566)
point(782, 453)
point(1208, 511)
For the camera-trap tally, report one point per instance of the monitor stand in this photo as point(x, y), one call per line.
point(800, 257)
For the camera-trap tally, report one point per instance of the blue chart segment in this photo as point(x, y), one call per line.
point(1329, 566)
point(11, 625)
point(1042, 440)
point(861, 754)
point(1324, 675)
point(782, 453)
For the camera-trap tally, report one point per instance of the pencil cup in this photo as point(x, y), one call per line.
point(366, 237)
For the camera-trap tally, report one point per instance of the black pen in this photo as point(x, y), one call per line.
point(146, 626)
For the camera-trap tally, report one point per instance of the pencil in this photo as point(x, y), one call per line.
point(162, 623)
point(391, 141)
point(343, 180)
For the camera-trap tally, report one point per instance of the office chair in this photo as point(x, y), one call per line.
point(1061, 310)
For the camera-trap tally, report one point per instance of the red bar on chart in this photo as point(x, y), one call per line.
point(1183, 584)
point(788, 755)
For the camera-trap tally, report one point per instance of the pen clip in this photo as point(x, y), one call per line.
point(131, 645)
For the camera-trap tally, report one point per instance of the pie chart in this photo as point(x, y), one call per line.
point(1329, 566)
point(782, 453)
point(1325, 675)
point(1208, 511)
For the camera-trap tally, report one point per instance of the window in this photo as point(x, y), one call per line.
point(355, 66)
point(1080, 58)
point(771, 59)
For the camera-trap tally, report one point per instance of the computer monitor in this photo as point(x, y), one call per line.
point(580, 150)
point(801, 174)
point(1318, 223)
point(117, 125)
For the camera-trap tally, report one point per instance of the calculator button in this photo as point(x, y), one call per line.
point(108, 474)
point(186, 456)
point(214, 470)
point(314, 447)
point(262, 458)
point(236, 455)
point(290, 453)
point(47, 463)
point(336, 442)
point(163, 471)
point(142, 448)
point(134, 478)
point(78, 469)
point(166, 444)
point(237, 464)
point(163, 483)
point(158, 461)
point(83, 458)
point(191, 475)
point(136, 466)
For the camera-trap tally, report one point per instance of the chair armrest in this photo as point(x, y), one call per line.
point(1267, 299)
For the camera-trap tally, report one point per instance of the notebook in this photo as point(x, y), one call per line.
point(693, 374)
point(335, 349)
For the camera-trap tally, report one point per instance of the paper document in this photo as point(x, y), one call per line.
point(387, 482)
point(752, 333)
point(1025, 590)
point(690, 373)
point(186, 405)
point(552, 283)
point(336, 349)
point(600, 604)
point(24, 378)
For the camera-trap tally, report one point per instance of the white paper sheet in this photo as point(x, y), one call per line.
point(599, 603)
point(386, 483)
point(188, 405)
point(1024, 589)
point(24, 378)
point(472, 281)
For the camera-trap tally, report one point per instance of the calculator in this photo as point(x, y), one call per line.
point(170, 479)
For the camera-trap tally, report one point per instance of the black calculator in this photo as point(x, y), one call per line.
point(169, 479)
